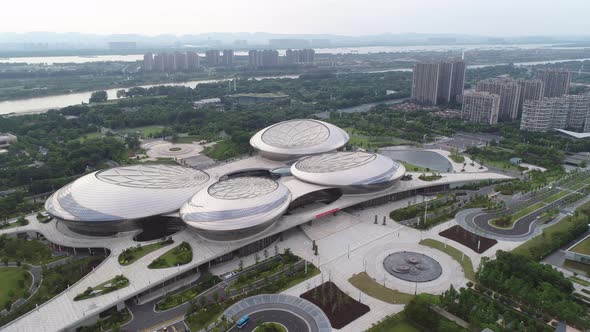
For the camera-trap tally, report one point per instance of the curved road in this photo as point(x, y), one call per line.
point(279, 311)
point(291, 321)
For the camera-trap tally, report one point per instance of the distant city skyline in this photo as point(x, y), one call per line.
point(341, 17)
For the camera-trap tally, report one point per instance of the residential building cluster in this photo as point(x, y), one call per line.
point(438, 82)
point(541, 103)
point(566, 112)
point(170, 62)
point(270, 58)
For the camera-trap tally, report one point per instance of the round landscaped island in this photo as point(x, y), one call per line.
point(271, 327)
point(412, 266)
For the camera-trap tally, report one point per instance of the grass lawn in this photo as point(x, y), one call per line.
point(31, 252)
point(579, 281)
point(526, 211)
point(455, 254)
point(131, 255)
point(88, 136)
point(188, 294)
point(395, 323)
point(413, 168)
point(221, 150)
point(581, 268)
point(583, 247)
point(179, 255)
point(556, 197)
point(106, 287)
point(144, 131)
point(374, 289)
point(204, 318)
point(15, 284)
point(560, 227)
point(188, 139)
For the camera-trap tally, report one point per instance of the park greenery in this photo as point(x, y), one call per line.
point(111, 285)
point(179, 255)
point(55, 280)
point(538, 289)
point(112, 322)
point(557, 235)
point(131, 255)
point(374, 289)
point(418, 210)
point(173, 300)
point(26, 251)
point(15, 285)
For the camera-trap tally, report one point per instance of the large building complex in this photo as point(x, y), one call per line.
point(556, 82)
point(440, 82)
point(480, 107)
point(227, 211)
point(6, 139)
point(212, 58)
point(569, 112)
point(296, 57)
point(509, 92)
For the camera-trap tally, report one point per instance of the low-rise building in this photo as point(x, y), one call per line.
point(6, 139)
point(259, 98)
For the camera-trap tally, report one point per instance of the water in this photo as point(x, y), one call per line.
point(332, 50)
point(426, 159)
point(40, 104)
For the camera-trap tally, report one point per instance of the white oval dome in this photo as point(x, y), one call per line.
point(236, 208)
point(354, 170)
point(125, 193)
point(295, 138)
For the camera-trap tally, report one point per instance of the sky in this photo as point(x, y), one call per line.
point(343, 17)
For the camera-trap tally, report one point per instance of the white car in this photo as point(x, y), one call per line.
point(229, 275)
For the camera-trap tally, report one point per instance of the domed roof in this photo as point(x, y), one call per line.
point(295, 138)
point(127, 192)
point(236, 204)
point(340, 169)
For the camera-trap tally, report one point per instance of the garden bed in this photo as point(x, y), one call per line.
point(340, 308)
point(179, 255)
point(118, 282)
point(468, 239)
point(131, 255)
point(374, 289)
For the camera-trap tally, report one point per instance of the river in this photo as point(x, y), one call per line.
point(40, 104)
point(49, 60)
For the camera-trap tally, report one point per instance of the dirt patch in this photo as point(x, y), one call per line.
point(340, 308)
point(477, 243)
point(174, 149)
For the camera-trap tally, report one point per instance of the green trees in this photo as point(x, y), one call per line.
point(98, 97)
point(538, 287)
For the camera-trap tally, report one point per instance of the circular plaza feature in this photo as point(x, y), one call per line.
point(412, 266)
point(162, 149)
point(292, 139)
point(236, 208)
point(355, 172)
point(293, 313)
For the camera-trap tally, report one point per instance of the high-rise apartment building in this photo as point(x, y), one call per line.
point(212, 57)
point(425, 83)
point(298, 57)
point(567, 112)
point(170, 63)
point(228, 58)
point(263, 59)
point(529, 90)
point(160, 62)
point(480, 107)
point(556, 82)
point(434, 83)
point(181, 61)
point(192, 59)
point(509, 92)
point(148, 62)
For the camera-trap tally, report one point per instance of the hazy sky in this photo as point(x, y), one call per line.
point(347, 17)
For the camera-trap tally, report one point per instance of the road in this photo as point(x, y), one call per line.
point(291, 321)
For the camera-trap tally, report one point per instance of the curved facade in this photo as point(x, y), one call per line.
point(292, 139)
point(115, 198)
point(354, 172)
point(236, 208)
